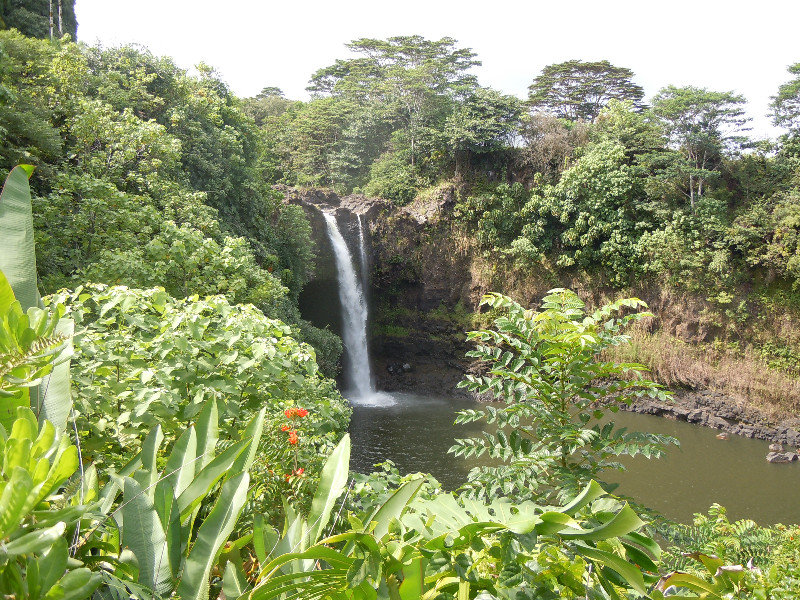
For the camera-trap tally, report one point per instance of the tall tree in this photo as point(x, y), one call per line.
point(409, 76)
point(578, 90)
point(703, 126)
point(37, 18)
point(786, 104)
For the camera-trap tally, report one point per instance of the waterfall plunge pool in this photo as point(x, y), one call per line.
point(415, 432)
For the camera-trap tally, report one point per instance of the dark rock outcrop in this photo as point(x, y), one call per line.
point(720, 411)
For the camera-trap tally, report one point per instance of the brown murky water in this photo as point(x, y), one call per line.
point(416, 431)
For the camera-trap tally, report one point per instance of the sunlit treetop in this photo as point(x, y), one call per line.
point(578, 90)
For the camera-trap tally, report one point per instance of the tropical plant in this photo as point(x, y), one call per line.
point(36, 518)
point(552, 435)
point(721, 581)
point(720, 558)
point(443, 547)
point(30, 347)
point(35, 344)
point(737, 542)
point(158, 520)
point(149, 359)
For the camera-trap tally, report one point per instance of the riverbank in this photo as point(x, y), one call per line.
point(424, 283)
point(720, 411)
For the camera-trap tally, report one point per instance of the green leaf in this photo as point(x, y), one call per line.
point(17, 250)
point(180, 468)
point(332, 482)
point(694, 583)
point(38, 540)
point(625, 521)
point(234, 582)
point(252, 434)
point(207, 427)
point(13, 500)
point(207, 478)
point(75, 585)
point(631, 574)
point(394, 507)
point(143, 533)
point(7, 297)
point(52, 564)
point(147, 476)
point(590, 493)
point(55, 390)
point(211, 536)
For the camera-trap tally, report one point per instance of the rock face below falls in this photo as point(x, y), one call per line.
point(417, 275)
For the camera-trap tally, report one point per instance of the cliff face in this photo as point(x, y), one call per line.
point(418, 272)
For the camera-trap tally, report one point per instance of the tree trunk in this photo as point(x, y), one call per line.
point(60, 22)
point(51, 19)
point(691, 191)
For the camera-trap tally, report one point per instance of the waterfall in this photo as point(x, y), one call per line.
point(354, 312)
point(362, 250)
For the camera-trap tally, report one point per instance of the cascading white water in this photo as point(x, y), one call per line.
point(354, 314)
point(362, 250)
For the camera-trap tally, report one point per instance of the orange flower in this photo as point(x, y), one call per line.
point(294, 412)
point(299, 471)
point(293, 437)
point(285, 428)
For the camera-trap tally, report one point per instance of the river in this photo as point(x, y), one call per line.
point(415, 432)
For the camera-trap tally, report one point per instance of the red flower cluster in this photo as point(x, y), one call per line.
point(292, 414)
point(295, 413)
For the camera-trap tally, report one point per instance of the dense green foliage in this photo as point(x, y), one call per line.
point(148, 176)
point(443, 547)
point(65, 530)
point(35, 562)
point(149, 359)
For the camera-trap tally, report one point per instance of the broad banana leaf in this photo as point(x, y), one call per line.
point(332, 482)
point(211, 536)
point(17, 250)
point(52, 398)
point(143, 533)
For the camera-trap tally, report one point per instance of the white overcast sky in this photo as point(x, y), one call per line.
point(739, 45)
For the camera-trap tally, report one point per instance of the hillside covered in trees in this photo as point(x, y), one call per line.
point(169, 423)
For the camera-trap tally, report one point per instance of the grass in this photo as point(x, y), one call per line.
point(744, 376)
